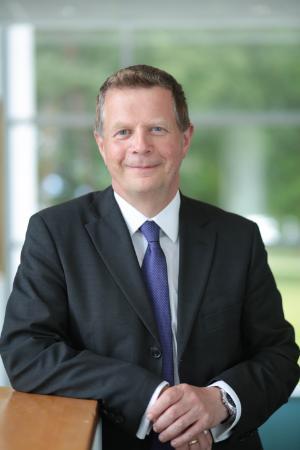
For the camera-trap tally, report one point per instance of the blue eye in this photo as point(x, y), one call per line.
point(158, 130)
point(123, 132)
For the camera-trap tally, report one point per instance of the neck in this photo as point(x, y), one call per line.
point(148, 204)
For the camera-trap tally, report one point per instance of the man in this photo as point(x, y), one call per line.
point(181, 335)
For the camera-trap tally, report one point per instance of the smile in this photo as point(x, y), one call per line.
point(153, 166)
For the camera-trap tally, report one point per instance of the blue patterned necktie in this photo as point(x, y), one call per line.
point(155, 274)
point(154, 269)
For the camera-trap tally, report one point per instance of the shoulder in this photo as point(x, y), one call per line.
point(81, 207)
point(209, 212)
point(211, 215)
point(74, 214)
point(235, 234)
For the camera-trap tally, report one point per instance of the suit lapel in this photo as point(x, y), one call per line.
point(112, 240)
point(197, 242)
point(110, 236)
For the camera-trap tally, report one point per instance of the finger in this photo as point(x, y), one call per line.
point(189, 434)
point(164, 401)
point(174, 422)
point(202, 442)
point(205, 440)
point(184, 447)
point(166, 420)
point(179, 414)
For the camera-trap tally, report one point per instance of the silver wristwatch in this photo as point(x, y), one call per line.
point(229, 404)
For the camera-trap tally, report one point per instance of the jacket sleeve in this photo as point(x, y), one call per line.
point(266, 376)
point(38, 352)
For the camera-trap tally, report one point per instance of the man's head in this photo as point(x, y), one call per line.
point(143, 133)
point(143, 76)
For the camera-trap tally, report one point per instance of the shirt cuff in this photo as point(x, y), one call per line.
point(145, 424)
point(223, 430)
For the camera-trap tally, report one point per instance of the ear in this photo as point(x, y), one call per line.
point(187, 138)
point(100, 143)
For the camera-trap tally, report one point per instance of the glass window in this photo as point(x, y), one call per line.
point(71, 67)
point(227, 70)
point(244, 95)
point(69, 164)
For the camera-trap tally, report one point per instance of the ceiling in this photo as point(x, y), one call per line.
point(142, 13)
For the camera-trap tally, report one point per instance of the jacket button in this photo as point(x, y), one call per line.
point(155, 352)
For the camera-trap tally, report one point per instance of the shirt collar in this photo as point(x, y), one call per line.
point(167, 219)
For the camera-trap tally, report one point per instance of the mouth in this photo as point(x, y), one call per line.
point(142, 166)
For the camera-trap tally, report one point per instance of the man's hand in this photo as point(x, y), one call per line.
point(201, 442)
point(183, 413)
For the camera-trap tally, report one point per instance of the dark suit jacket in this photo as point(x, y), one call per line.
point(79, 322)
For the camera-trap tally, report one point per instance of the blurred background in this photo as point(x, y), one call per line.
point(239, 63)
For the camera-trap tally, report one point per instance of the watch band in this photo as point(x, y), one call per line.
point(228, 403)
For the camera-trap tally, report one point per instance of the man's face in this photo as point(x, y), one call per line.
point(141, 144)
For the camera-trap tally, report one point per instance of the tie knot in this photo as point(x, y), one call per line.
point(150, 230)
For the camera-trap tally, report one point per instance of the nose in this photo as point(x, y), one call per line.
point(140, 141)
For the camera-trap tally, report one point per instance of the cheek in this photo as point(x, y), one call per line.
point(114, 155)
point(174, 157)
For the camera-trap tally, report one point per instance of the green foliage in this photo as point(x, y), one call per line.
point(69, 75)
point(220, 73)
point(285, 264)
point(200, 172)
point(283, 170)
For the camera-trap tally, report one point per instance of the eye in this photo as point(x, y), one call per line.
point(122, 133)
point(158, 130)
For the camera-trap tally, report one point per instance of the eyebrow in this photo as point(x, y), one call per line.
point(120, 125)
point(125, 125)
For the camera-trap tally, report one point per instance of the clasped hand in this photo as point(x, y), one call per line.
point(183, 412)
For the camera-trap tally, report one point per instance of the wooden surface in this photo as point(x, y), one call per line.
point(44, 422)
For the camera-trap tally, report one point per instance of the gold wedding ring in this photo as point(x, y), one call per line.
point(195, 441)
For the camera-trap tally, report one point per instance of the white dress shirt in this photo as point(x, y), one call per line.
point(168, 221)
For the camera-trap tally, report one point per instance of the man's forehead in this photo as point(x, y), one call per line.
point(131, 92)
point(138, 121)
point(139, 104)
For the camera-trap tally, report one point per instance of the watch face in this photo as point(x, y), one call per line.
point(229, 399)
point(228, 403)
